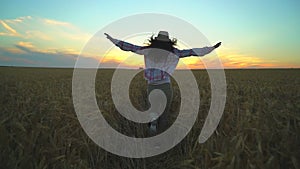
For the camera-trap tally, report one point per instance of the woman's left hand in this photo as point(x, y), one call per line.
point(217, 45)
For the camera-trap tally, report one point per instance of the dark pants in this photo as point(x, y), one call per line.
point(164, 119)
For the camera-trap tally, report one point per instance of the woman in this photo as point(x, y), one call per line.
point(161, 59)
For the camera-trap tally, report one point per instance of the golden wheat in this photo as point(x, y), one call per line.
point(260, 127)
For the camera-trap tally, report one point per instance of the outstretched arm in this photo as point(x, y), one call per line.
point(196, 51)
point(125, 45)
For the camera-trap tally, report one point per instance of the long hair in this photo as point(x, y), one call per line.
point(165, 45)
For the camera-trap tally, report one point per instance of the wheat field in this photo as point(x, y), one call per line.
point(260, 127)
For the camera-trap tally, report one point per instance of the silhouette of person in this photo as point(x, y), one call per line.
point(161, 58)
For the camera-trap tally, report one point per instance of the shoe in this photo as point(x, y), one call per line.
point(153, 126)
point(153, 123)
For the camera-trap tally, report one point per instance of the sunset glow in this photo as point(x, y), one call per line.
point(42, 37)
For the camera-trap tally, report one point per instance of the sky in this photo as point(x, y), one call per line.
point(254, 33)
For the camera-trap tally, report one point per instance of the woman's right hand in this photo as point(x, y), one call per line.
point(108, 36)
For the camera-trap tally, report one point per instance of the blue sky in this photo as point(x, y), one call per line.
point(264, 31)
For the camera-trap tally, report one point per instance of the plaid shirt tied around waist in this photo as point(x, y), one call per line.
point(152, 74)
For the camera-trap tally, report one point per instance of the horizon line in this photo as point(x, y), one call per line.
point(65, 67)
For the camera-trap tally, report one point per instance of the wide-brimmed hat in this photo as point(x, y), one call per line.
point(163, 36)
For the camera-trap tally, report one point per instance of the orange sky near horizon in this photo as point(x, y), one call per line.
point(229, 58)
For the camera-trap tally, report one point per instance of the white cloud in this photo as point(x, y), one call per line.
point(36, 41)
point(36, 34)
point(9, 31)
point(43, 32)
point(26, 44)
point(57, 23)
